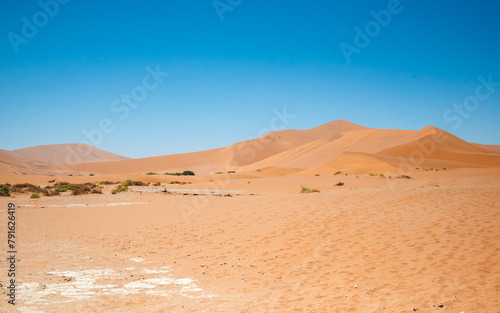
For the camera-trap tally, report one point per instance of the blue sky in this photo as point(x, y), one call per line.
point(225, 77)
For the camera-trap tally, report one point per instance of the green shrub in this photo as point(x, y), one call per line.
point(372, 174)
point(259, 170)
point(35, 196)
point(307, 190)
point(5, 190)
point(120, 188)
point(219, 173)
point(91, 175)
point(339, 172)
point(231, 172)
point(316, 175)
point(188, 173)
point(151, 173)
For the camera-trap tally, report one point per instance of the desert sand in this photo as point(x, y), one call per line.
point(425, 242)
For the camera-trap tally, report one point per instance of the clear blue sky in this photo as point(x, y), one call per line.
point(226, 76)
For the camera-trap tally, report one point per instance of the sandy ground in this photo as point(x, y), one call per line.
point(373, 245)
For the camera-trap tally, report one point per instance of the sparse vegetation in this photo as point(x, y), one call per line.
point(219, 173)
point(151, 173)
point(21, 188)
point(308, 190)
point(5, 190)
point(97, 190)
point(444, 168)
point(91, 175)
point(185, 173)
point(35, 195)
point(340, 184)
point(372, 174)
point(107, 182)
point(316, 175)
point(259, 170)
point(404, 176)
point(231, 172)
point(80, 190)
point(339, 172)
point(157, 184)
point(123, 187)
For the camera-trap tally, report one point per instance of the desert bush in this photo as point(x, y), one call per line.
point(151, 173)
point(219, 173)
point(316, 175)
point(107, 182)
point(5, 190)
point(372, 174)
point(130, 182)
point(336, 173)
point(188, 173)
point(35, 196)
point(96, 190)
point(308, 190)
point(80, 190)
point(231, 172)
point(91, 175)
point(157, 184)
point(340, 184)
point(120, 188)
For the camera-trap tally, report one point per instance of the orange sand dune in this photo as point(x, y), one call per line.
point(272, 143)
point(495, 148)
point(335, 145)
point(67, 153)
point(222, 159)
point(441, 145)
point(326, 149)
point(12, 164)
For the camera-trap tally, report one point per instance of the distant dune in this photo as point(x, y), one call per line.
point(338, 145)
point(66, 154)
